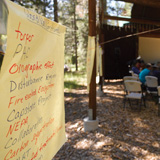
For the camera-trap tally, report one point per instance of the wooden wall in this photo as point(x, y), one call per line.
point(119, 52)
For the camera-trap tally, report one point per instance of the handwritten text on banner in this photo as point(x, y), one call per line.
point(32, 97)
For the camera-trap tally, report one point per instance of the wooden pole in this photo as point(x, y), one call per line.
point(92, 32)
point(102, 9)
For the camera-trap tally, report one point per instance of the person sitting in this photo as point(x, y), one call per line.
point(143, 65)
point(136, 67)
point(144, 73)
point(158, 65)
point(156, 72)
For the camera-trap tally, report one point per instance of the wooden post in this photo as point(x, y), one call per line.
point(92, 32)
point(102, 9)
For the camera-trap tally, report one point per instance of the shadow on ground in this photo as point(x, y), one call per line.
point(122, 134)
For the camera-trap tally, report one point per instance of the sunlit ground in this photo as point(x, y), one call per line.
point(121, 134)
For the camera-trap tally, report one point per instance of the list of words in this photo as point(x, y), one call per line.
point(32, 97)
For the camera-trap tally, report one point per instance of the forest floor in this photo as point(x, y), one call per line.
point(122, 134)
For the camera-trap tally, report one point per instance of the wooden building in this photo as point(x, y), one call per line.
point(139, 36)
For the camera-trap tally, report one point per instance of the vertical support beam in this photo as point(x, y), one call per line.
point(102, 10)
point(100, 37)
point(137, 45)
point(92, 32)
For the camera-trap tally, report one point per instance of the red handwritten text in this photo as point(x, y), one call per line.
point(49, 65)
point(28, 96)
point(11, 154)
point(15, 68)
point(34, 155)
point(45, 88)
point(17, 125)
point(19, 100)
point(36, 135)
point(24, 36)
point(43, 145)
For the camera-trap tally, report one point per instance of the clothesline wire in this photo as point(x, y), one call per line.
point(126, 36)
point(130, 35)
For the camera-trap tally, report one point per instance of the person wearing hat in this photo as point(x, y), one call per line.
point(145, 72)
point(156, 72)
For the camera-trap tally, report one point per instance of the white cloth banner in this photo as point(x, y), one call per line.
point(90, 59)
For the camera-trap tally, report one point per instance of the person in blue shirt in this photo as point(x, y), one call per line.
point(144, 73)
point(136, 67)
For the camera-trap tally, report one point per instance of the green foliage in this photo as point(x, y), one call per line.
point(66, 17)
point(74, 15)
point(118, 8)
point(71, 85)
point(74, 80)
point(43, 7)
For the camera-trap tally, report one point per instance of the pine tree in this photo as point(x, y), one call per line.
point(82, 32)
point(42, 7)
point(115, 8)
point(72, 14)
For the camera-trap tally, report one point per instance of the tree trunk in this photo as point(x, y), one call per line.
point(44, 9)
point(75, 36)
point(55, 11)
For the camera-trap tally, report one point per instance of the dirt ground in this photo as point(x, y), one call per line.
point(122, 134)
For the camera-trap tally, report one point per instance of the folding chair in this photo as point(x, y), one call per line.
point(152, 84)
point(158, 88)
point(130, 78)
point(133, 74)
point(134, 92)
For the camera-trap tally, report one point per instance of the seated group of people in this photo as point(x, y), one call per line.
point(142, 69)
